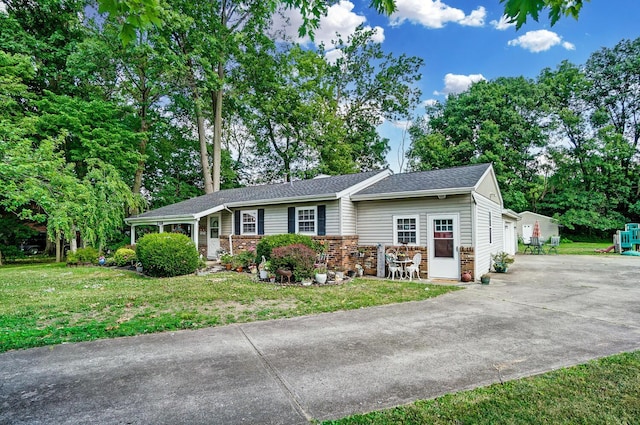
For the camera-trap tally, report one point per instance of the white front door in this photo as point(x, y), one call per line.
point(213, 236)
point(444, 239)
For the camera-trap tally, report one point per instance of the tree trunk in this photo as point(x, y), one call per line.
point(58, 249)
point(217, 132)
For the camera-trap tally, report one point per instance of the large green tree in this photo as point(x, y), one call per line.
point(494, 121)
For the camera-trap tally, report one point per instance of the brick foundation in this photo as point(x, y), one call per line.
point(343, 253)
point(468, 260)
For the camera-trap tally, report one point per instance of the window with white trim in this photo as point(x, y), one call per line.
point(249, 222)
point(405, 230)
point(306, 220)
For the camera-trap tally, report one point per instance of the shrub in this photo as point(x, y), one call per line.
point(245, 258)
point(11, 253)
point(268, 243)
point(124, 257)
point(87, 255)
point(298, 258)
point(167, 254)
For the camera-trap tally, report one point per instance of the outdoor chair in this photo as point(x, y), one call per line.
point(555, 243)
point(536, 245)
point(392, 266)
point(415, 266)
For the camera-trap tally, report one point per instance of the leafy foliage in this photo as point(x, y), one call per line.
point(167, 254)
point(268, 243)
point(298, 258)
point(87, 255)
point(124, 257)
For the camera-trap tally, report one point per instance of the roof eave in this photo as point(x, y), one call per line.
point(286, 200)
point(412, 194)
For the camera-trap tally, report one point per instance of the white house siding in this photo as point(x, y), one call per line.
point(349, 215)
point(487, 243)
point(488, 188)
point(276, 217)
point(375, 218)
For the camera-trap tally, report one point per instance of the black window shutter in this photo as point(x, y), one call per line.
point(236, 222)
point(322, 220)
point(261, 221)
point(292, 220)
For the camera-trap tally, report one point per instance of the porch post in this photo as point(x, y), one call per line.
point(195, 230)
point(133, 234)
point(160, 227)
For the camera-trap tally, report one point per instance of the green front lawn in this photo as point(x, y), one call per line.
point(605, 391)
point(578, 248)
point(43, 304)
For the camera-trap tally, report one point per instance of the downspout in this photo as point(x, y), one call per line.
point(230, 239)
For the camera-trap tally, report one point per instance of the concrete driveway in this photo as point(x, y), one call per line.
point(546, 313)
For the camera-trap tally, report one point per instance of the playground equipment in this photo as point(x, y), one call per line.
point(627, 239)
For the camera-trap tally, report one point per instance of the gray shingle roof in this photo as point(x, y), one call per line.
point(320, 187)
point(457, 178)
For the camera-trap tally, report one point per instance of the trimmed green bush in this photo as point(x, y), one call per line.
point(124, 257)
point(268, 243)
point(167, 254)
point(298, 258)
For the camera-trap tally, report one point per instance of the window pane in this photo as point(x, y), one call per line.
point(406, 230)
point(307, 220)
point(249, 222)
point(443, 238)
point(443, 248)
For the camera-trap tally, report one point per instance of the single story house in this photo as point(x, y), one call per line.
point(548, 225)
point(454, 217)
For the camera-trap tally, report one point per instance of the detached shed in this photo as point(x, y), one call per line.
point(548, 226)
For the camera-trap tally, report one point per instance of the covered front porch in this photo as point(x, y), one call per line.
point(204, 231)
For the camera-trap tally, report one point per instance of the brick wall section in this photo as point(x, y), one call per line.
point(343, 253)
point(338, 249)
point(468, 260)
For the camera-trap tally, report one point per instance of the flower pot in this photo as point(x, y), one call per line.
point(321, 278)
point(227, 266)
point(466, 276)
point(485, 280)
point(264, 274)
point(306, 282)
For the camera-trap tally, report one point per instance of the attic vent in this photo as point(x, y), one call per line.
point(321, 176)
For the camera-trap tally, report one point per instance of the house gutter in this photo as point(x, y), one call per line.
point(230, 239)
point(412, 194)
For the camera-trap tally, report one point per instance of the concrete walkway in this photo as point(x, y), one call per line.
point(546, 313)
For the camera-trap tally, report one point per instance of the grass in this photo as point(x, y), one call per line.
point(578, 248)
point(604, 391)
point(44, 304)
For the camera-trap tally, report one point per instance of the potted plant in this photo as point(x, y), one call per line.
point(226, 259)
point(485, 279)
point(264, 268)
point(321, 274)
point(237, 263)
point(466, 276)
point(501, 262)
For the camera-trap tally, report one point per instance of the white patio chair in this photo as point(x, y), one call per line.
point(415, 266)
point(392, 266)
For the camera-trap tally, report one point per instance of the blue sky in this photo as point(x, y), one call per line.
point(462, 41)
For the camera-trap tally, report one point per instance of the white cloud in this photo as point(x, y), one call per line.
point(429, 102)
point(3, 7)
point(434, 14)
point(340, 19)
point(455, 83)
point(540, 41)
point(503, 23)
point(333, 55)
point(475, 18)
